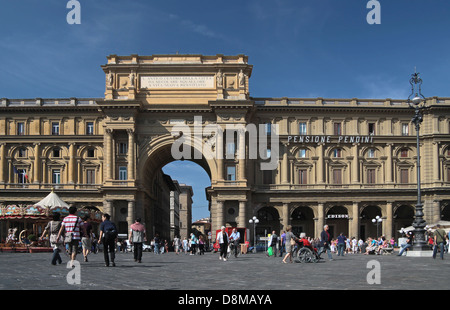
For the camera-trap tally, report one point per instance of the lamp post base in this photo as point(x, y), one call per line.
point(419, 253)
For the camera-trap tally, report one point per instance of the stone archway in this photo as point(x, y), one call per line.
point(302, 220)
point(153, 156)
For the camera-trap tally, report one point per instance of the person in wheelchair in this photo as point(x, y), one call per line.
point(305, 246)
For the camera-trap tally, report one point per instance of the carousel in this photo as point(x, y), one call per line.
point(25, 223)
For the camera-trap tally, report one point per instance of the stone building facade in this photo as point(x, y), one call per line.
point(337, 161)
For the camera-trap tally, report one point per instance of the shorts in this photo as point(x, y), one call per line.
point(73, 246)
point(86, 243)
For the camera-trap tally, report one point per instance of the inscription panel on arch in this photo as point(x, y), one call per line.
point(177, 82)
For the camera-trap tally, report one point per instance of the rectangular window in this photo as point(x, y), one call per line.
point(22, 153)
point(405, 129)
point(337, 176)
point(302, 128)
point(371, 153)
point(371, 176)
point(90, 128)
point(123, 148)
point(123, 175)
point(21, 176)
point(404, 153)
point(56, 176)
point(337, 153)
point(371, 128)
point(231, 173)
point(303, 178)
point(302, 153)
point(404, 176)
point(55, 128)
point(231, 149)
point(337, 129)
point(267, 176)
point(90, 176)
point(20, 129)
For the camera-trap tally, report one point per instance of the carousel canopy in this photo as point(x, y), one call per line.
point(52, 201)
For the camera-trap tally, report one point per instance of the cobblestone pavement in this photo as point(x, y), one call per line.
point(25, 271)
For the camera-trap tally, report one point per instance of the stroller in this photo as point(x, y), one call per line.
point(305, 252)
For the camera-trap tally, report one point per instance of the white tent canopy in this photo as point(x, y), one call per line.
point(52, 201)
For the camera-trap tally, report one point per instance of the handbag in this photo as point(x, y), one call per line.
point(292, 241)
point(53, 237)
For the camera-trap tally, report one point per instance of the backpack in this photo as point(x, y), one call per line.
point(110, 231)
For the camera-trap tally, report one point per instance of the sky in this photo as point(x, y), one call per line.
point(298, 48)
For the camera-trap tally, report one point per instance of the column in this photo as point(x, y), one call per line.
point(355, 221)
point(131, 154)
point(37, 164)
point(436, 162)
point(389, 163)
point(109, 154)
point(219, 214)
point(241, 137)
point(320, 219)
point(242, 214)
point(131, 211)
point(2, 162)
point(71, 163)
point(320, 179)
point(285, 216)
point(107, 206)
point(219, 153)
point(285, 167)
point(355, 164)
point(388, 228)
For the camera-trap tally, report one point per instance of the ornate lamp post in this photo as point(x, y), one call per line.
point(254, 221)
point(377, 221)
point(418, 104)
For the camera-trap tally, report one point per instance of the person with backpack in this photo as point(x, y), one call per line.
point(137, 237)
point(108, 235)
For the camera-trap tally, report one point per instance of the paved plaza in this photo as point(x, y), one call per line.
point(25, 271)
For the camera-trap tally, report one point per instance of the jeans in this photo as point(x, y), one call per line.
point(327, 249)
point(137, 251)
point(404, 249)
point(56, 257)
point(341, 248)
point(441, 247)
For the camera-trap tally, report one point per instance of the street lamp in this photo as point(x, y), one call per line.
point(254, 221)
point(418, 104)
point(377, 221)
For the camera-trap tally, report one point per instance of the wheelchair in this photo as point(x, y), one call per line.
point(306, 254)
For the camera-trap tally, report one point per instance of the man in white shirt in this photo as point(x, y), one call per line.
point(235, 237)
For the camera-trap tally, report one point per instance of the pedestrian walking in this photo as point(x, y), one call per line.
point(274, 243)
point(194, 242)
point(283, 243)
point(325, 242)
point(108, 236)
point(176, 244)
point(222, 238)
point(235, 237)
point(86, 237)
point(341, 241)
point(53, 228)
point(290, 244)
point(439, 241)
point(137, 238)
point(71, 225)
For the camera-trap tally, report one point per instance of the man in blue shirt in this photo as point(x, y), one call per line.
point(234, 237)
point(341, 244)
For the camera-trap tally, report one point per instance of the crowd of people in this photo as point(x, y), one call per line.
point(73, 232)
